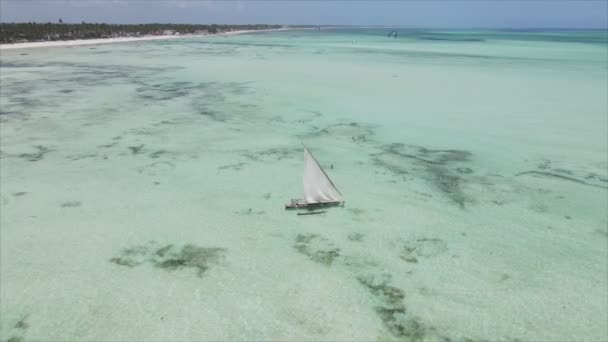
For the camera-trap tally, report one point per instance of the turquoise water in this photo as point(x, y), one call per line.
point(143, 184)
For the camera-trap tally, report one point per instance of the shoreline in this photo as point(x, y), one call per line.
point(98, 41)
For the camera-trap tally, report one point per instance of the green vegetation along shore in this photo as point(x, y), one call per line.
point(35, 32)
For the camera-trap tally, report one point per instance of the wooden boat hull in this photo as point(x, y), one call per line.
point(312, 212)
point(300, 204)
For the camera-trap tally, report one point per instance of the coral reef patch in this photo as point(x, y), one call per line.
point(443, 169)
point(391, 308)
point(170, 258)
point(413, 249)
point(317, 248)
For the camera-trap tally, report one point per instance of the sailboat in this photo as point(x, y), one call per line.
point(319, 190)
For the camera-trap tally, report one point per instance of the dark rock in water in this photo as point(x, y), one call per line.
point(71, 204)
point(235, 167)
point(21, 323)
point(250, 211)
point(156, 169)
point(199, 258)
point(409, 258)
point(359, 138)
point(132, 256)
point(173, 264)
point(82, 156)
point(108, 145)
point(356, 237)
point(423, 247)
point(157, 154)
point(37, 155)
point(464, 170)
point(325, 257)
point(134, 251)
point(125, 262)
point(305, 238)
point(162, 251)
point(212, 114)
point(267, 196)
point(136, 149)
point(545, 164)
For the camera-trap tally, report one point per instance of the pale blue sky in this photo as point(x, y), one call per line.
point(433, 13)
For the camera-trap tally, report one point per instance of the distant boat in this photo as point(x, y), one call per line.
point(319, 190)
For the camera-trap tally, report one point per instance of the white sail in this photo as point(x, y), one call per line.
point(318, 188)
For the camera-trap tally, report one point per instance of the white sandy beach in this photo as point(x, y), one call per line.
point(79, 42)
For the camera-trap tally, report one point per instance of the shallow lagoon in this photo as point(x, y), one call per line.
point(143, 184)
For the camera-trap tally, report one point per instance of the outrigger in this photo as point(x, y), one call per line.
point(319, 190)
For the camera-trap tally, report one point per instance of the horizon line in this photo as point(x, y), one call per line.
point(330, 25)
